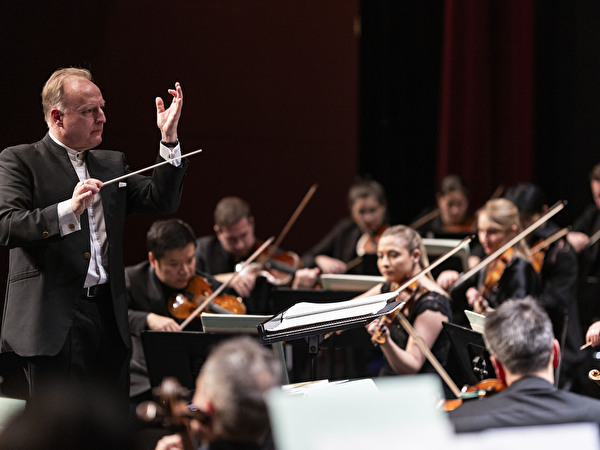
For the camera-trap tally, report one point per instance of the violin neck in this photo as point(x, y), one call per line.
point(280, 266)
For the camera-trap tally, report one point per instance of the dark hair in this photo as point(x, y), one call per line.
point(595, 173)
point(230, 210)
point(168, 234)
point(453, 183)
point(363, 188)
point(527, 197)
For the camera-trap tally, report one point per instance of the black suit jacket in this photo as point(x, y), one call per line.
point(47, 271)
point(528, 401)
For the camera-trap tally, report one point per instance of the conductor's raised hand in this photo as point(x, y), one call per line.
point(83, 194)
point(168, 119)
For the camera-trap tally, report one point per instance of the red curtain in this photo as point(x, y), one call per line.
point(487, 94)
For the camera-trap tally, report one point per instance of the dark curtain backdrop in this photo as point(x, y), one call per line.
point(498, 91)
point(269, 87)
point(487, 95)
point(281, 95)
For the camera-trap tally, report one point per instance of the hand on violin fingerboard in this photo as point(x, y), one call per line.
point(245, 280)
point(161, 323)
point(476, 301)
point(447, 278)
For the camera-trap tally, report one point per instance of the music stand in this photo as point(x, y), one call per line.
point(241, 323)
point(470, 351)
point(178, 354)
point(437, 247)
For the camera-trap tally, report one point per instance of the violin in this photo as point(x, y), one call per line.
point(492, 257)
point(538, 250)
point(467, 226)
point(182, 305)
point(484, 388)
point(494, 273)
point(367, 243)
point(173, 412)
point(404, 296)
point(410, 287)
point(278, 267)
point(594, 375)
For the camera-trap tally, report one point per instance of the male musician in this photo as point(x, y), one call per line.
point(65, 309)
point(524, 354)
point(233, 242)
point(171, 264)
point(230, 396)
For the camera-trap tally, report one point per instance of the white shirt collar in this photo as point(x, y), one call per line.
point(72, 153)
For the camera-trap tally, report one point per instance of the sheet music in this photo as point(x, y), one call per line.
point(305, 313)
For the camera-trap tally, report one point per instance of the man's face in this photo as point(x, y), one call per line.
point(80, 126)
point(595, 186)
point(176, 267)
point(237, 239)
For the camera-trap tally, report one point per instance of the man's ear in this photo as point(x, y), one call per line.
point(152, 259)
point(56, 116)
point(555, 353)
point(498, 368)
point(216, 229)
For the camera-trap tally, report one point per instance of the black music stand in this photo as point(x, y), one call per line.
point(313, 320)
point(470, 351)
point(178, 354)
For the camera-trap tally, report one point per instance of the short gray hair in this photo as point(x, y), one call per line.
point(519, 334)
point(235, 378)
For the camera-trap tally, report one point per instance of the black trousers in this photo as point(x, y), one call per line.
point(93, 355)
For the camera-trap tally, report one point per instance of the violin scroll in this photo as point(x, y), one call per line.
point(171, 410)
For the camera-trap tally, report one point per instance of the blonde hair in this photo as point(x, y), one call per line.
point(504, 215)
point(53, 93)
point(412, 241)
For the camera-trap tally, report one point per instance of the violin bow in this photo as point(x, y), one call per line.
point(430, 356)
point(426, 270)
point(549, 240)
point(221, 288)
point(167, 161)
point(558, 206)
point(434, 264)
point(295, 215)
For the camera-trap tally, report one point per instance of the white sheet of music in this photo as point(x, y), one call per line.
point(305, 313)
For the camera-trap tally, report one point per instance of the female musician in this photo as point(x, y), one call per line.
point(368, 206)
point(510, 275)
point(400, 256)
point(452, 211)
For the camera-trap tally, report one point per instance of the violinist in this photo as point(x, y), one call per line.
point(355, 236)
point(557, 265)
point(509, 275)
point(584, 238)
point(400, 256)
point(230, 394)
point(170, 266)
point(233, 242)
point(524, 353)
point(452, 216)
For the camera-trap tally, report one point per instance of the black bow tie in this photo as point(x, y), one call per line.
point(82, 155)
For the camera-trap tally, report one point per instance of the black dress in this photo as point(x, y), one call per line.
point(430, 301)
